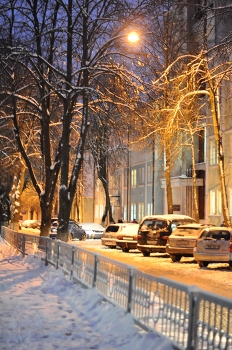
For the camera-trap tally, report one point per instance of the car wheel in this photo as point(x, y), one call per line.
point(203, 263)
point(146, 253)
point(83, 238)
point(70, 237)
point(230, 264)
point(125, 250)
point(175, 258)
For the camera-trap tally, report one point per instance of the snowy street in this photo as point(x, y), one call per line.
point(41, 309)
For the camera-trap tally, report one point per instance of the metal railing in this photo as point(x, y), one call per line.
point(190, 317)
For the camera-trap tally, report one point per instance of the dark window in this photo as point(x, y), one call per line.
point(216, 235)
point(154, 224)
point(112, 229)
point(201, 146)
point(225, 235)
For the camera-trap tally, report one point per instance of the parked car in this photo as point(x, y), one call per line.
point(36, 224)
point(110, 234)
point(127, 238)
point(214, 245)
point(93, 230)
point(75, 231)
point(30, 224)
point(182, 241)
point(154, 231)
point(54, 219)
point(53, 229)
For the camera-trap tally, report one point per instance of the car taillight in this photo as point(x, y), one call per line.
point(195, 245)
point(119, 237)
point(165, 237)
point(231, 246)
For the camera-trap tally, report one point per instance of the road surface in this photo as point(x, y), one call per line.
point(216, 278)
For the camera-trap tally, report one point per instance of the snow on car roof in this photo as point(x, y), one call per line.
point(121, 224)
point(92, 226)
point(193, 225)
point(216, 228)
point(131, 228)
point(168, 217)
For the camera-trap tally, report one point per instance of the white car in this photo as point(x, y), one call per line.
point(127, 238)
point(182, 241)
point(93, 230)
point(214, 245)
point(110, 234)
point(31, 224)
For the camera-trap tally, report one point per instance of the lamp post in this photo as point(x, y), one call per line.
point(133, 38)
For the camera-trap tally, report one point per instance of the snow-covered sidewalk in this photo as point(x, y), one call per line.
point(41, 309)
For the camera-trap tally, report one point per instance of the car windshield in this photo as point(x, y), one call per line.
point(72, 224)
point(154, 224)
point(157, 224)
point(178, 222)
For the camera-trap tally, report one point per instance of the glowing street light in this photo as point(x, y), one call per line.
point(133, 37)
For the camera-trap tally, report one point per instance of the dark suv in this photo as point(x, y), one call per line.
point(154, 231)
point(75, 231)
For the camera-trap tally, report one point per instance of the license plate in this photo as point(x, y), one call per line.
point(180, 243)
point(109, 243)
point(152, 242)
point(128, 238)
point(212, 246)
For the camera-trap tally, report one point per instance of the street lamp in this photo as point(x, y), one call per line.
point(133, 37)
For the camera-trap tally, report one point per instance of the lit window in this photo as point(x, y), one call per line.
point(212, 153)
point(125, 212)
point(141, 176)
point(102, 209)
point(219, 202)
point(149, 208)
point(99, 210)
point(141, 211)
point(133, 211)
point(133, 177)
point(212, 202)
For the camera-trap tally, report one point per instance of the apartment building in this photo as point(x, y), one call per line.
point(143, 185)
point(138, 188)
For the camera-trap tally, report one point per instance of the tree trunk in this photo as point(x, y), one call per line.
point(214, 100)
point(108, 208)
point(67, 192)
point(16, 198)
point(168, 180)
point(194, 175)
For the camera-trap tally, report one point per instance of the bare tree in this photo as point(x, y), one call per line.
point(165, 40)
point(53, 54)
point(205, 73)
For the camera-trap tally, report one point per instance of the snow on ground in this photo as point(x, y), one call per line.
point(40, 309)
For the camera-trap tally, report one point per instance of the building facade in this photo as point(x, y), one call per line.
point(142, 187)
point(138, 188)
